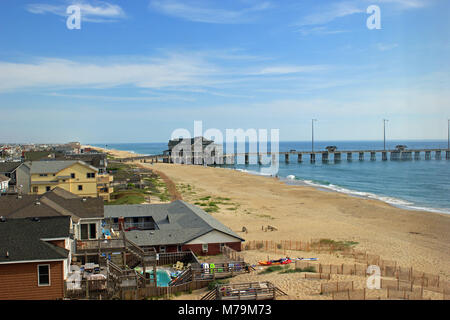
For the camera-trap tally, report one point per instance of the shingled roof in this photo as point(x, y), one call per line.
point(20, 239)
point(8, 167)
point(53, 166)
point(178, 222)
point(56, 202)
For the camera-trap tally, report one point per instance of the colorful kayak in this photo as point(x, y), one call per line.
point(275, 262)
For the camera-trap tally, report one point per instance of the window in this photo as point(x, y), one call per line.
point(35, 189)
point(162, 249)
point(90, 175)
point(205, 247)
point(88, 231)
point(222, 246)
point(84, 232)
point(92, 231)
point(179, 248)
point(72, 175)
point(80, 187)
point(44, 275)
point(43, 175)
point(47, 188)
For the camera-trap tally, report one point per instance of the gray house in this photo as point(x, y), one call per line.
point(172, 227)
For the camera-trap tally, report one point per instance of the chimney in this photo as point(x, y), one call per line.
point(121, 223)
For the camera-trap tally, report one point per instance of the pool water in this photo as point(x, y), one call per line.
point(162, 277)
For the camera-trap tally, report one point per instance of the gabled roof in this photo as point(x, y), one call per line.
point(4, 178)
point(178, 222)
point(10, 166)
point(56, 202)
point(53, 166)
point(20, 239)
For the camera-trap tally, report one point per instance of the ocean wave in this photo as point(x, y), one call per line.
point(368, 195)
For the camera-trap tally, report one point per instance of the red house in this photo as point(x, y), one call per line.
point(34, 257)
point(172, 227)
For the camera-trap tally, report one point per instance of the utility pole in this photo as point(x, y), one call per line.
point(384, 134)
point(312, 128)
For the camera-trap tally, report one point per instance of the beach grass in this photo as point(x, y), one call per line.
point(271, 269)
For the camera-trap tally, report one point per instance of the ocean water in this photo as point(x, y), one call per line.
point(416, 184)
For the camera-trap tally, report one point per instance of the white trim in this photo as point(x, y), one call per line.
point(32, 261)
point(53, 239)
point(49, 284)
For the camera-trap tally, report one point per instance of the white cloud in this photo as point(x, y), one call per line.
point(193, 11)
point(331, 13)
point(386, 46)
point(98, 11)
point(173, 70)
point(403, 4)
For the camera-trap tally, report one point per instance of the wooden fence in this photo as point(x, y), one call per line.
point(317, 245)
point(148, 292)
point(231, 254)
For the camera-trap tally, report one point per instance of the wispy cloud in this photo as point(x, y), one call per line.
point(171, 70)
point(97, 11)
point(207, 13)
point(403, 4)
point(330, 13)
point(320, 30)
point(386, 46)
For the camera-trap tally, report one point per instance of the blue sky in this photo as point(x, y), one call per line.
point(137, 70)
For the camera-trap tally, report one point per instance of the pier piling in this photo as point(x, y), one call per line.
point(337, 157)
point(324, 156)
point(384, 156)
point(417, 155)
point(299, 158)
point(313, 157)
point(286, 157)
point(447, 155)
point(361, 156)
point(438, 155)
point(427, 155)
point(349, 156)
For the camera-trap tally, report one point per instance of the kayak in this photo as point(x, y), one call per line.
point(274, 262)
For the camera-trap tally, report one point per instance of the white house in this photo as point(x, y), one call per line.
point(4, 183)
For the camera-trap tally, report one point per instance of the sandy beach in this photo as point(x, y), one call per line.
point(415, 239)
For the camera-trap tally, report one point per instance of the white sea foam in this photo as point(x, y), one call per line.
point(368, 195)
point(291, 179)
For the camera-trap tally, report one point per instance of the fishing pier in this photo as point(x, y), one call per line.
point(298, 156)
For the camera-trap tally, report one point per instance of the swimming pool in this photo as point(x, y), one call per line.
point(162, 277)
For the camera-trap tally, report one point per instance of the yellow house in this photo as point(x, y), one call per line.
point(74, 176)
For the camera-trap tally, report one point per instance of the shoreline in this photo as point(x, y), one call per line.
point(351, 193)
point(414, 238)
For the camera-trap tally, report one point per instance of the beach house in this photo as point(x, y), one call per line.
point(172, 227)
point(74, 176)
point(86, 213)
point(9, 169)
point(4, 184)
point(195, 150)
point(34, 257)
